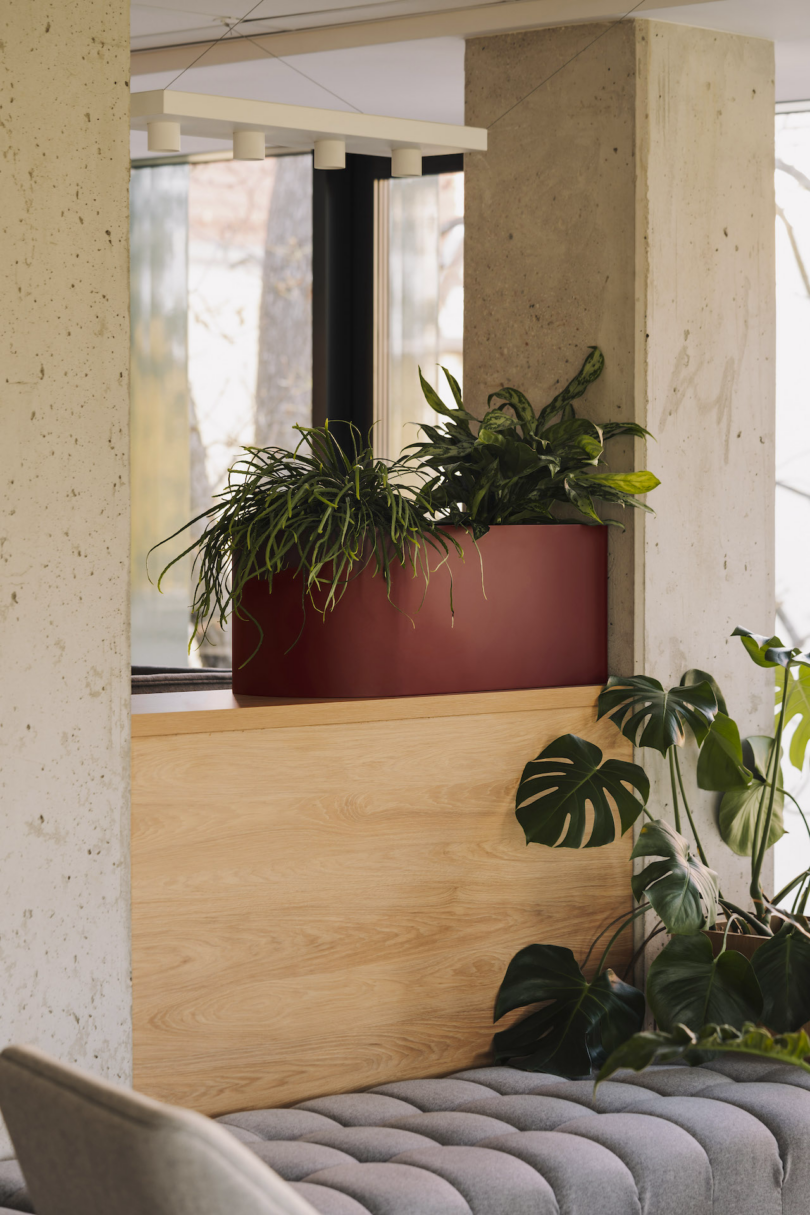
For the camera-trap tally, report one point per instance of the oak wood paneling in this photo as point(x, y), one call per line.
point(326, 906)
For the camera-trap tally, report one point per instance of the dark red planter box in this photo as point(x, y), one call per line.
point(543, 623)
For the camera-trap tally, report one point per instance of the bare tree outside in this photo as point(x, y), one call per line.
point(284, 375)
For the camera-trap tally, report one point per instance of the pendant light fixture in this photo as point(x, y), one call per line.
point(254, 127)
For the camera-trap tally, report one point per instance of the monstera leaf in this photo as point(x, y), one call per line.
point(557, 787)
point(582, 1023)
point(651, 717)
point(682, 890)
point(695, 676)
point(798, 706)
point(764, 651)
point(720, 766)
point(739, 809)
point(643, 1049)
point(687, 985)
point(782, 966)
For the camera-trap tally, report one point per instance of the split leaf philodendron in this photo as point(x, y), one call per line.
point(701, 1002)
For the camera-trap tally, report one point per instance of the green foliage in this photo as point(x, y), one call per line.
point(321, 511)
point(556, 788)
point(681, 889)
point(687, 985)
point(740, 808)
point(798, 706)
point(782, 966)
point(581, 1022)
point(516, 466)
point(720, 763)
point(682, 1044)
point(651, 717)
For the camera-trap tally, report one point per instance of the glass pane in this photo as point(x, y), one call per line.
point(792, 853)
point(421, 255)
point(222, 261)
point(159, 459)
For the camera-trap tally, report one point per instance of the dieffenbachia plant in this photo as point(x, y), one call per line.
point(517, 466)
point(569, 797)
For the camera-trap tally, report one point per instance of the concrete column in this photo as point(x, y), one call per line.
point(628, 203)
point(64, 537)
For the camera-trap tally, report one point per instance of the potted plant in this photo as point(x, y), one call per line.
point(324, 557)
point(708, 989)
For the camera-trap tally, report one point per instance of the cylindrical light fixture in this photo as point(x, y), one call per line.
point(330, 154)
point(406, 162)
point(248, 145)
point(163, 136)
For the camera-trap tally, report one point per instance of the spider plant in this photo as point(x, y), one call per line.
point(518, 466)
point(325, 512)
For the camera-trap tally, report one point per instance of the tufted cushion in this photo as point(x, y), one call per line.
point(731, 1138)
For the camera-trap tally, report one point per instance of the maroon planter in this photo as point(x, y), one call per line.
point(543, 623)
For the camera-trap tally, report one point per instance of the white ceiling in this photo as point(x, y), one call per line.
point(416, 79)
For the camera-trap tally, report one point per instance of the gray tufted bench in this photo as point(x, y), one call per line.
point(732, 1138)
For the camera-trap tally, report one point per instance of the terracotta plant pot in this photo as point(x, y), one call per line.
point(740, 942)
point(541, 623)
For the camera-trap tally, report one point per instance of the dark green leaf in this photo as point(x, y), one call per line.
point(739, 809)
point(695, 675)
point(651, 717)
point(682, 890)
point(782, 966)
point(644, 1049)
point(581, 1021)
point(720, 766)
point(435, 402)
point(590, 370)
point(687, 985)
point(520, 404)
point(556, 788)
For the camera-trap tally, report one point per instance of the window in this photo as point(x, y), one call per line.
point(793, 436)
point(221, 358)
point(265, 295)
point(419, 308)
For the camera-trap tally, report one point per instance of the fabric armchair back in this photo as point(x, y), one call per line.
point(89, 1148)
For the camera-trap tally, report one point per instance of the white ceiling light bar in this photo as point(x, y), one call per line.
point(166, 114)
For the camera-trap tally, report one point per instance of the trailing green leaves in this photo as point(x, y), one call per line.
point(782, 966)
point(682, 1044)
point(580, 1022)
point(682, 890)
point(651, 717)
point(557, 787)
point(324, 511)
point(516, 466)
point(687, 985)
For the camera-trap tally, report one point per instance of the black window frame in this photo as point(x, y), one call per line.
point(343, 286)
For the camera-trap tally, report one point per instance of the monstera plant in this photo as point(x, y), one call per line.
point(702, 998)
point(518, 466)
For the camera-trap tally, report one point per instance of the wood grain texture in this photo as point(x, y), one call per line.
point(203, 712)
point(325, 907)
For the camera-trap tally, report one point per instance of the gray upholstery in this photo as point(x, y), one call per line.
point(89, 1148)
point(732, 1138)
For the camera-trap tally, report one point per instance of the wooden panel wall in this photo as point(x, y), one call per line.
point(326, 898)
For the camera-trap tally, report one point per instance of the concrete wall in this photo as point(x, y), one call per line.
point(64, 530)
point(628, 203)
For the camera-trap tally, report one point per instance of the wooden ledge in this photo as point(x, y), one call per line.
point(170, 713)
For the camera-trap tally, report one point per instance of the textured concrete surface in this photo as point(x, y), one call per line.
point(64, 530)
point(628, 203)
